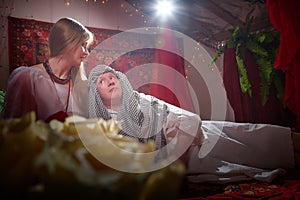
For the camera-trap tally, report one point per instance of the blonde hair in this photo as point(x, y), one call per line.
point(67, 34)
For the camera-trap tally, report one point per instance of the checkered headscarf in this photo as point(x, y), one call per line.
point(131, 118)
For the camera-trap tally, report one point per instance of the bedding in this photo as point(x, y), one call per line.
point(241, 151)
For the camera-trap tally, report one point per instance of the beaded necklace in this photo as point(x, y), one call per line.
point(58, 80)
point(53, 76)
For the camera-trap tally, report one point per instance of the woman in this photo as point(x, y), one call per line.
point(222, 151)
point(46, 88)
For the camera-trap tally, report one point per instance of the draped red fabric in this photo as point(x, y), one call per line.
point(285, 17)
point(170, 88)
point(246, 108)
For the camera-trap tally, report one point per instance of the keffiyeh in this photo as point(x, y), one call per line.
point(142, 122)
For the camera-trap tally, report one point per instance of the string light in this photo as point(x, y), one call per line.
point(129, 10)
point(67, 3)
point(136, 11)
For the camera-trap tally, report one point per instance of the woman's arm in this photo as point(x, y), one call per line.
point(19, 99)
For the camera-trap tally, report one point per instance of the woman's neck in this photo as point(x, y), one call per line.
point(60, 67)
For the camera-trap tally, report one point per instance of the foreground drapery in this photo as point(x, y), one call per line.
point(285, 17)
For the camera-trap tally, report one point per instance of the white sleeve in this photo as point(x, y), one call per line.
point(181, 121)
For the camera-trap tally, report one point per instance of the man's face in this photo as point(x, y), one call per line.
point(109, 88)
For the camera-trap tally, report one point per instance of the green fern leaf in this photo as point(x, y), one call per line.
point(280, 90)
point(261, 38)
point(256, 49)
point(2, 95)
point(215, 58)
point(244, 81)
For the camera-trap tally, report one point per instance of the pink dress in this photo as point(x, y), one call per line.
point(31, 89)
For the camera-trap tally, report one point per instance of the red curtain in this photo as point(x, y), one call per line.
point(175, 90)
point(285, 17)
point(246, 108)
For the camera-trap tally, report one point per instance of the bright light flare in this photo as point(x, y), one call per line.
point(164, 8)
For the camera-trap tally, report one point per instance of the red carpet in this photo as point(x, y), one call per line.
point(287, 189)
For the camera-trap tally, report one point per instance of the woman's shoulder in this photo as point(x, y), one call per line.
point(27, 72)
point(26, 77)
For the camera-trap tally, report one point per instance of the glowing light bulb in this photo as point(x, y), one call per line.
point(67, 3)
point(164, 8)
